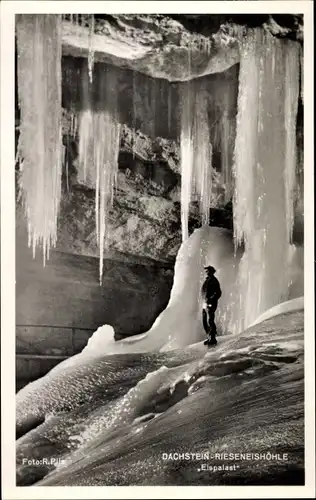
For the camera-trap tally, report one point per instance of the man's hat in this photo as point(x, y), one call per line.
point(211, 269)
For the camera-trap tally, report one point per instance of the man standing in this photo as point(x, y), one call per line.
point(211, 292)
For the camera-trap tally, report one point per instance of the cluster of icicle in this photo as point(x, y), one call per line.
point(85, 20)
point(195, 152)
point(198, 137)
point(194, 41)
point(99, 142)
point(265, 162)
point(82, 20)
point(40, 150)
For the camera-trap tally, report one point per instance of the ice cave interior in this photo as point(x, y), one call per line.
point(148, 147)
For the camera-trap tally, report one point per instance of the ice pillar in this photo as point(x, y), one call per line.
point(265, 161)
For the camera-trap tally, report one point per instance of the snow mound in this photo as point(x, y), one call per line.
point(285, 307)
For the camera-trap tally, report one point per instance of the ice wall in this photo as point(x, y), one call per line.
point(40, 149)
point(180, 323)
point(265, 162)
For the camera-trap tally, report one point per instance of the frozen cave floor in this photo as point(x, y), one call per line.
point(112, 418)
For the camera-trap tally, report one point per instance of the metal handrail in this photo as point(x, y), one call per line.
point(58, 326)
point(73, 330)
point(42, 356)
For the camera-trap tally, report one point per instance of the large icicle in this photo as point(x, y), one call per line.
point(302, 72)
point(169, 104)
point(292, 92)
point(106, 161)
point(99, 132)
point(226, 140)
point(40, 149)
point(186, 155)
point(86, 172)
point(202, 151)
point(195, 152)
point(264, 170)
point(91, 49)
point(134, 98)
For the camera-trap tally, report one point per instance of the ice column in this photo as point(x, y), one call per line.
point(265, 159)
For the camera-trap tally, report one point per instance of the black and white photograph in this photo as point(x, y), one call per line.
point(159, 166)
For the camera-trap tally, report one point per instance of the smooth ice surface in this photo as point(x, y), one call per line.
point(40, 149)
point(112, 417)
point(180, 323)
point(265, 162)
point(288, 306)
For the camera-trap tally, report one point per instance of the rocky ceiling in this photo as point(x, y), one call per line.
point(176, 48)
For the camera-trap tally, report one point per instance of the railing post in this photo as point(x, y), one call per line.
point(73, 331)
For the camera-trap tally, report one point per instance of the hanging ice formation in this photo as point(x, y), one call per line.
point(134, 84)
point(265, 160)
point(226, 140)
point(186, 157)
point(302, 72)
point(40, 150)
point(202, 152)
point(195, 151)
point(99, 141)
point(153, 94)
point(292, 92)
point(86, 171)
point(91, 50)
point(169, 106)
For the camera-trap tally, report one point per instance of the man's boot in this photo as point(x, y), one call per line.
point(213, 340)
point(212, 337)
